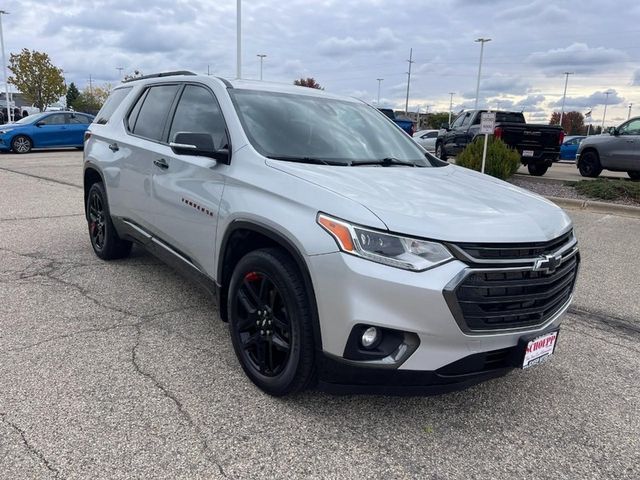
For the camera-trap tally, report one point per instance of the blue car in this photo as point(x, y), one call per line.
point(569, 147)
point(45, 130)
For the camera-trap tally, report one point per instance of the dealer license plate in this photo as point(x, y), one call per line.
point(540, 349)
point(527, 153)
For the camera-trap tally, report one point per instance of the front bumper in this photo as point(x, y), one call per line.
point(351, 291)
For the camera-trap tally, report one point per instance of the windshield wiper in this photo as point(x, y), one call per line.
point(385, 162)
point(293, 158)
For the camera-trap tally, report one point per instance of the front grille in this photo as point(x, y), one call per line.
point(511, 294)
point(513, 251)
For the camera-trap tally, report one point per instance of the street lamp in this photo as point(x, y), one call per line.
point(262, 57)
point(4, 68)
point(379, 82)
point(482, 41)
point(450, 105)
point(120, 69)
point(629, 114)
point(411, 61)
point(606, 101)
point(564, 95)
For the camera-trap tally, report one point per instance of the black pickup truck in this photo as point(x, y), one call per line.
point(538, 145)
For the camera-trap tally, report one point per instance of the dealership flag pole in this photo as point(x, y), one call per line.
point(239, 39)
point(4, 68)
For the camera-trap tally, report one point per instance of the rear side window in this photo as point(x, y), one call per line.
point(57, 119)
point(152, 116)
point(113, 102)
point(198, 112)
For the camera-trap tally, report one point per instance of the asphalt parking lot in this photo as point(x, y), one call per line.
point(124, 370)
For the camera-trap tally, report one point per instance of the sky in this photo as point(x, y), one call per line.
point(347, 44)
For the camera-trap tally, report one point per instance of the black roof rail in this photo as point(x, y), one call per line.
point(162, 74)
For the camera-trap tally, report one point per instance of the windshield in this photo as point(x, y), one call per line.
point(30, 119)
point(304, 127)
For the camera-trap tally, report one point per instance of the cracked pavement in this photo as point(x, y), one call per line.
point(124, 370)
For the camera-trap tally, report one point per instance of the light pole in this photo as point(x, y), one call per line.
point(564, 95)
point(450, 105)
point(606, 101)
point(261, 56)
point(482, 41)
point(379, 82)
point(406, 105)
point(629, 114)
point(120, 69)
point(239, 39)
point(4, 68)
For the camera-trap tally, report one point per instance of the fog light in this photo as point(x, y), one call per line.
point(369, 337)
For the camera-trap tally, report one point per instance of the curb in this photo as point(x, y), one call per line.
point(598, 207)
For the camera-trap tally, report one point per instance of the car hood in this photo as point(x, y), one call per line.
point(9, 126)
point(447, 203)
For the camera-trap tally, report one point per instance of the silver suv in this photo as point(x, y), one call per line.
point(342, 254)
point(618, 150)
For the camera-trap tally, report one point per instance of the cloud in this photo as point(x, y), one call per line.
point(596, 98)
point(500, 84)
point(540, 11)
point(635, 80)
point(577, 58)
point(384, 40)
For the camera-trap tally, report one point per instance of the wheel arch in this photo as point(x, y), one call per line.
point(92, 174)
point(242, 237)
point(590, 149)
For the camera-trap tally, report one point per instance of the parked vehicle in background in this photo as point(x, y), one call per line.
point(569, 147)
point(618, 150)
point(538, 145)
point(341, 252)
point(404, 123)
point(45, 130)
point(427, 138)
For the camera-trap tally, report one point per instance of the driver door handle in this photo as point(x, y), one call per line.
point(161, 163)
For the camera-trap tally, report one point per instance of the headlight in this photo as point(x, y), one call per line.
point(393, 250)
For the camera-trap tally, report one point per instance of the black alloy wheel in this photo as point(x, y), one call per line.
point(270, 322)
point(104, 239)
point(440, 151)
point(589, 165)
point(537, 169)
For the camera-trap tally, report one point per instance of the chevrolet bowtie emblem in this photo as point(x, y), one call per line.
point(547, 263)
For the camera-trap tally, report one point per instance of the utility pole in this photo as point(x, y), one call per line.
point(261, 56)
point(406, 105)
point(239, 39)
point(379, 82)
point(629, 114)
point(482, 41)
point(90, 86)
point(450, 105)
point(120, 69)
point(4, 68)
point(564, 95)
point(606, 101)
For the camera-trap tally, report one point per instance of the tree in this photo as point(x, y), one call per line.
point(91, 100)
point(437, 119)
point(572, 122)
point(308, 82)
point(41, 82)
point(72, 95)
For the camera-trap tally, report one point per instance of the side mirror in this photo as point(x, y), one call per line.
point(614, 131)
point(39, 124)
point(445, 126)
point(187, 143)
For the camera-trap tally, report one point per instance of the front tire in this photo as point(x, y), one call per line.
point(537, 169)
point(589, 165)
point(104, 239)
point(634, 175)
point(440, 153)
point(270, 322)
point(21, 144)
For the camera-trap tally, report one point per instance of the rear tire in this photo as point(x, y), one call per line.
point(270, 322)
point(21, 144)
point(634, 175)
point(440, 153)
point(589, 165)
point(104, 239)
point(537, 169)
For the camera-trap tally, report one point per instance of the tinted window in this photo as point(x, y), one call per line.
point(76, 118)
point(153, 113)
point(133, 116)
point(631, 128)
point(458, 121)
point(114, 100)
point(514, 117)
point(466, 119)
point(57, 119)
point(198, 112)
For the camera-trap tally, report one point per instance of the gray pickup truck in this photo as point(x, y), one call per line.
point(618, 150)
point(538, 145)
